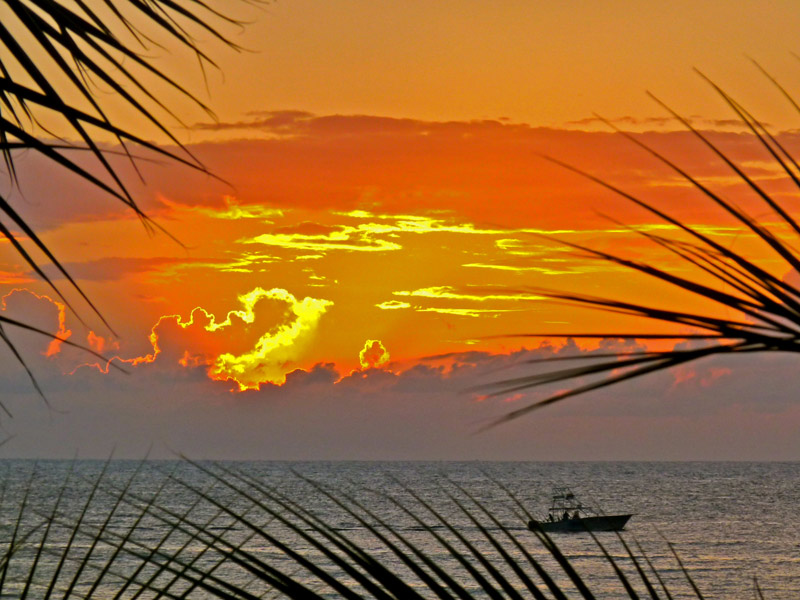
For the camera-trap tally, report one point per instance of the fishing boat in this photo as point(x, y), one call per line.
point(568, 515)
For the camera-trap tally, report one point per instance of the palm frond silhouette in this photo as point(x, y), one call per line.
point(64, 68)
point(232, 535)
point(752, 308)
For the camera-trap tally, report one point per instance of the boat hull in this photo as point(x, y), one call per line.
point(599, 523)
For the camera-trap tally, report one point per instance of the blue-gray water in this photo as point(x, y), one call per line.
point(728, 522)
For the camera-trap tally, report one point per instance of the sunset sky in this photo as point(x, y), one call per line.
point(383, 221)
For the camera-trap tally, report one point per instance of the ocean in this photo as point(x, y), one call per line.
point(185, 530)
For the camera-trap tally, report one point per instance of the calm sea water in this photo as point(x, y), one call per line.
point(728, 522)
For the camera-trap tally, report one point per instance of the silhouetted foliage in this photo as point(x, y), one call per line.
point(233, 536)
point(64, 66)
point(765, 306)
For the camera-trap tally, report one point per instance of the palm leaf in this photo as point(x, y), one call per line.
point(300, 554)
point(53, 56)
point(765, 308)
point(202, 530)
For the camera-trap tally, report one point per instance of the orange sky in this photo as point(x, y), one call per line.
point(386, 198)
point(428, 237)
point(535, 62)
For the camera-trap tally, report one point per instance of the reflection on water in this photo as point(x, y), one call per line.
point(729, 522)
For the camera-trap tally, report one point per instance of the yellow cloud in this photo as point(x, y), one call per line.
point(542, 270)
point(393, 305)
point(246, 263)
point(450, 294)
point(373, 355)
point(347, 238)
point(414, 224)
point(370, 232)
point(466, 312)
point(232, 211)
point(365, 237)
point(517, 247)
point(265, 362)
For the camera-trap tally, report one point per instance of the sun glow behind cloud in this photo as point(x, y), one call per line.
point(441, 246)
point(264, 359)
point(62, 333)
point(373, 355)
point(413, 212)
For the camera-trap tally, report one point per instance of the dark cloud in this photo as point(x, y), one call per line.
point(663, 121)
point(626, 120)
point(274, 121)
point(486, 171)
point(423, 412)
point(301, 123)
